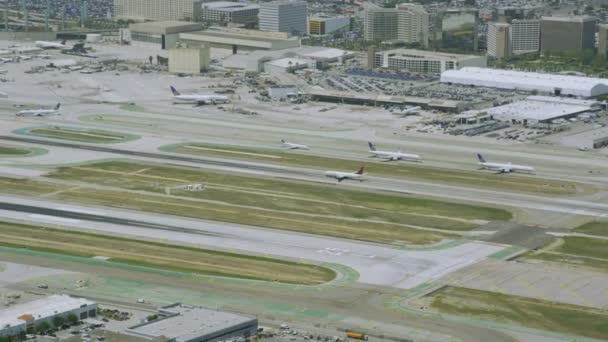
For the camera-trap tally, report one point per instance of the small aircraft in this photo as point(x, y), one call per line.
point(52, 45)
point(40, 112)
point(197, 99)
point(502, 167)
point(292, 146)
point(340, 176)
point(391, 156)
point(408, 111)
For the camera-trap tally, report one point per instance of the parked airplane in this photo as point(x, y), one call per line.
point(52, 45)
point(502, 167)
point(292, 146)
point(408, 111)
point(197, 99)
point(391, 156)
point(340, 176)
point(40, 112)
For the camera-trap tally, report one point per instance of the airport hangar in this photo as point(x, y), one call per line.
point(237, 39)
point(554, 84)
point(166, 32)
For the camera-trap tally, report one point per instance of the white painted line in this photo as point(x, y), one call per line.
point(53, 218)
point(82, 211)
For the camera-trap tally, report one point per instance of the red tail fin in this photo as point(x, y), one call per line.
point(360, 171)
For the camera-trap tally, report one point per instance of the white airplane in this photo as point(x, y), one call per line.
point(391, 156)
point(197, 99)
point(409, 111)
point(40, 112)
point(52, 45)
point(292, 146)
point(502, 167)
point(340, 176)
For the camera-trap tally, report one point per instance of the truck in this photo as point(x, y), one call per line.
point(356, 335)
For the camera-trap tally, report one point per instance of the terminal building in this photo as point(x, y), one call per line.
point(238, 39)
point(164, 33)
point(425, 62)
point(554, 84)
point(227, 12)
point(18, 319)
point(541, 109)
point(184, 323)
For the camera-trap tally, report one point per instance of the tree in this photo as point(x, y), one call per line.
point(58, 321)
point(43, 327)
point(72, 318)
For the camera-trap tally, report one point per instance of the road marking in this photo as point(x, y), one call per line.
point(54, 218)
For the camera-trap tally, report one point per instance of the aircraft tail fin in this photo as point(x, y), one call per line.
point(360, 171)
point(63, 42)
point(174, 91)
point(283, 141)
point(481, 158)
point(58, 106)
point(371, 146)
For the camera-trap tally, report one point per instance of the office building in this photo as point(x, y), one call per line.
point(327, 25)
point(567, 33)
point(425, 62)
point(602, 39)
point(284, 16)
point(164, 33)
point(460, 30)
point(225, 12)
point(142, 10)
point(407, 23)
point(19, 318)
point(185, 323)
point(525, 36)
point(499, 40)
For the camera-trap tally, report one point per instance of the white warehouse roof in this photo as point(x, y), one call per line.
point(542, 82)
point(41, 308)
point(539, 108)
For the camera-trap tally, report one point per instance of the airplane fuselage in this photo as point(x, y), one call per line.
point(37, 112)
point(507, 167)
point(200, 99)
point(340, 176)
point(293, 146)
point(394, 155)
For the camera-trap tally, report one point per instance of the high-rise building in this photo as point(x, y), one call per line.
point(326, 25)
point(425, 62)
point(499, 40)
point(460, 29)
point(284, 16)
point(157, 9)
point(224, 12)
point(408, 23)
point(525, 36)
point(567, 33)
point(602, 39)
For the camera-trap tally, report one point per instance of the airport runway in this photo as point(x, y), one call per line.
point(571, 206)
point(376, 264)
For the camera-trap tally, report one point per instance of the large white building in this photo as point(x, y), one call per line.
point(425, 62)
point(408, 23)
point(224, 12)
point(525, 36)
point(287, 16)
point(17, 319)
point(530, 81)
point(540, 109)
point(156, 9)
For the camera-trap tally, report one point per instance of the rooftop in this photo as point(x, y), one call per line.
point(573, 19)
point(411, 53)
point(40, 308)
point(540, 108)
point(185, 323)
point(228, 5)
point(165, 27)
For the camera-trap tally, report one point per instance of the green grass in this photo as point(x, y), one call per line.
point(161, 255)
point(532, 313)
point(132, 108)
point(410, 170)
point(13, 151)
point(88, 135)
point(593, 228)
point(578, 251)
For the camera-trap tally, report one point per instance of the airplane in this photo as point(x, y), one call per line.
point(340, 176)
point(408, 111)
point(292, 146)
point(40, 112)
point(52, 45)
point(197, 99)
point(391, 156)
point(502, 167)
